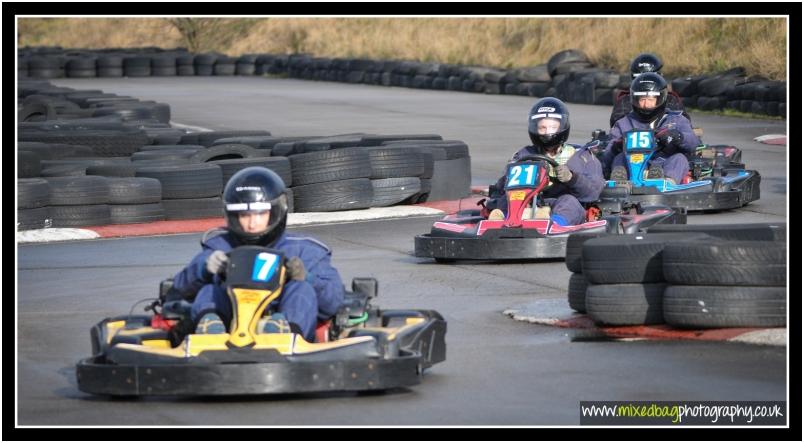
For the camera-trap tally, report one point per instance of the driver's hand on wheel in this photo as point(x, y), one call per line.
point(295, 268)
point(669, 139)
point(216, 262)
point(563, 173)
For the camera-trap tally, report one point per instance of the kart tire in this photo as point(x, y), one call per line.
point(574, 247)
point(576, 293)
point(626, 304)
point(186, 181)
point(327, 166)
point(339, 195)
point(134, 190)
point(80, 215)
point(390, 191)
point(726, 263)
point(725, 306)
point(752, 231)
point(80, 190)
point(32, 193)
point(630, 258)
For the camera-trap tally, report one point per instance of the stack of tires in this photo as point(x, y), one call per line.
point(707, 276)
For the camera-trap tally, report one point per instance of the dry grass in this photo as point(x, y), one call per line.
point(687, 45)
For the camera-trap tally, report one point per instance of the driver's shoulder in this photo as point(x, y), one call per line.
point(304, 243)
point(216, 238)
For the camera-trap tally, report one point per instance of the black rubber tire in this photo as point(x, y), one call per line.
point(72, 170)
point(165, 154)
point(341, 195)
point(390, 191)
point(750, 231)
point(280, 165)
point(626, 304)
point(574, 247)
point(726, 263)
point(134, 190)
point(633, 258)
point(139, 213)
point(192, 208)
point(73, 191)
point(32, 193)
point(186, 181)
point(395, 162)
point(80, 215)
point(36, 218)
point(725, 306)
point(103, 143)
point(576, 293)
point(28, 164)
point(36, 112)
point(332, 165)
point(563, 57)
point(208, 138)
point(223, 152)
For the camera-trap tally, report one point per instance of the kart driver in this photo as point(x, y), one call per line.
point(674, 136)
point(644, 63)
point(579, 174)
point(255, 206)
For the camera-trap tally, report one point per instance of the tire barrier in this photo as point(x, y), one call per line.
point(735, 277)
point(123, 146)
point(568, 75)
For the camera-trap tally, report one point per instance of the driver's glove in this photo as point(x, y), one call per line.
point(295, 268)
point(669, 140)
point(617, 146)
point(216, 262)
point(563, 173)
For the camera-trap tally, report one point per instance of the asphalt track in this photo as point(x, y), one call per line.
point(498, 371)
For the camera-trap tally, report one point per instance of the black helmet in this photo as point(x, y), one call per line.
point(645, 62)
point(256, 189)
point(548, 108)
point(648, 84)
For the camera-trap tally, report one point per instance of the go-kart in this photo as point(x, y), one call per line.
point(717, 179)
point(526, 232)
point(362, 348)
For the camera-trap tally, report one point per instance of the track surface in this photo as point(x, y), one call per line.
point(498, 371)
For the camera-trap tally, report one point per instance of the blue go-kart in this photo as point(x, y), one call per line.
point(717, 179)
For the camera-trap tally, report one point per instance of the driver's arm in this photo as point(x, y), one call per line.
point(189, 280)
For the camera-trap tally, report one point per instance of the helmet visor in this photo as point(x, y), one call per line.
point(256, 219)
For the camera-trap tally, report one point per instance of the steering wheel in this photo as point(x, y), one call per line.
point(542, 157)
point(539, 157)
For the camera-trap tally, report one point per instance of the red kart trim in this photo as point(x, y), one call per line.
point(558, 229)
point(450, 226)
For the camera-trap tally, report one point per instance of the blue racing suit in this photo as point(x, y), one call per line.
point(302, 302)
point(564, 199)
point(676, 166)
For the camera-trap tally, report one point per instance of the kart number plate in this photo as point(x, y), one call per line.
point(517, 195)
point(637, 158)
point(639, 140)
point(522, 176)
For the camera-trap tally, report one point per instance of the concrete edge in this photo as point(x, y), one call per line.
point(556, 313)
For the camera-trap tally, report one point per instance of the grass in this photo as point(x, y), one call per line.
point(687, 45)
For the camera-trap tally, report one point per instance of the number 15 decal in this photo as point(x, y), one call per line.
point(520, 175)
point(640, 140)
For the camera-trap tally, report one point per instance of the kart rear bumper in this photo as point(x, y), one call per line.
point(464, 248)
